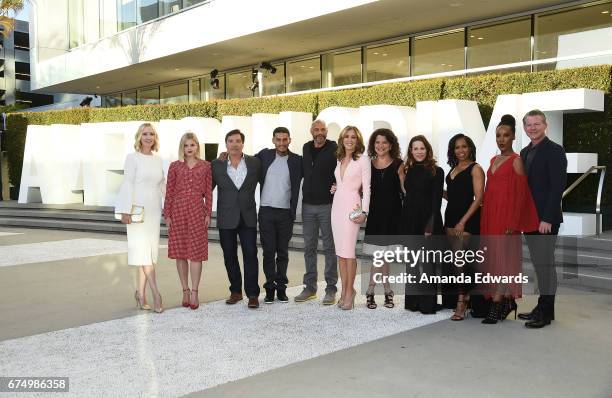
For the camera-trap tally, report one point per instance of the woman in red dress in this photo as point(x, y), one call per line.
point(187, 211)
point(508, 209)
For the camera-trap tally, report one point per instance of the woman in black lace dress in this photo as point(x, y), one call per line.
point(385, 207)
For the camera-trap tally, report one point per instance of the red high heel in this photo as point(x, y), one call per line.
point(186, 303)
point(196, 305)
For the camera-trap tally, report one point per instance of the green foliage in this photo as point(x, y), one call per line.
point(583, 132)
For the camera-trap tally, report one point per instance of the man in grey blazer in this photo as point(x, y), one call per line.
point(236, 179)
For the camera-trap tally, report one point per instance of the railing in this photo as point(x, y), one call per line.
point(602, 175)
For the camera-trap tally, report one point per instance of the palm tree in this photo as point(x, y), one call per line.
point(8, 9)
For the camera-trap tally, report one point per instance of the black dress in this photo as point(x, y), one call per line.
point(420, 214)
point(385, 205)
point(421, 209)
point(460, 194)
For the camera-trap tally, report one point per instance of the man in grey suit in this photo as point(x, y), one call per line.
point(236, 179)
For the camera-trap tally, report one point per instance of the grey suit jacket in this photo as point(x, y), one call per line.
point(231, 201)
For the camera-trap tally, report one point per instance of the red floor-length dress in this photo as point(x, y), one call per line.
point(507, 205)
point(188, 202)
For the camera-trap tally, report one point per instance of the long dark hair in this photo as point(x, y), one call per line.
point(394, 151)
point(429, 162)
point(452, 158)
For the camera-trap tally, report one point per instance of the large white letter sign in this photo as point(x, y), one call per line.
point(400, 119)
point(51, 171)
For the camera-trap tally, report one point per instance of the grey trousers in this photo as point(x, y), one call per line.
point(315, 217)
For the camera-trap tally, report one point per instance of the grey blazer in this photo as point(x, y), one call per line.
point(231, 201)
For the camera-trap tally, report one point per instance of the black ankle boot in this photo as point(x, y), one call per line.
point(494, 314)
point(508, 305)
point(269, 296)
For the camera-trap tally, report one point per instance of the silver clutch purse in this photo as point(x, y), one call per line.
point(136, 214)
point(353, 215)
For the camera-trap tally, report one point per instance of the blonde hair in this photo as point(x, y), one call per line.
point(359, 148)
point(138, 136)
point(190, 135)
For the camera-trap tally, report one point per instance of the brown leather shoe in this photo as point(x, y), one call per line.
point(234, 298)
point(253, 302)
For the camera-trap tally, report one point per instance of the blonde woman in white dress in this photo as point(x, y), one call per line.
point(143, 185)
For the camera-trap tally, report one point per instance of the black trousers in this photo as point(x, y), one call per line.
point(275, 231)
point(542, 253)
point(248, 245)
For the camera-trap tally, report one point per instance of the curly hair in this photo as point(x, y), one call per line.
point(359, 148)
point(429, 162)
point(452, 158)
point(394, 150)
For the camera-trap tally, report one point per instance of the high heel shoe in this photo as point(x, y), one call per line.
point(350, 304)
point(186, 303)
point(140, 302)
point(159, 309)
point(197, 304)
point(370, 302)
point(494, 314)
point(340, 302)
point(508, 305)
point(389, 299)
point(461, 311)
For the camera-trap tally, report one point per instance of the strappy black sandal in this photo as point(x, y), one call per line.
point(389, 299)
point(370, 303)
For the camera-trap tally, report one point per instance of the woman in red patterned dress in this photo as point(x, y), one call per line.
point(187, 211)
point(507, 209)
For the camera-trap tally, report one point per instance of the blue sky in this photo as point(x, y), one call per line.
point(24, 14)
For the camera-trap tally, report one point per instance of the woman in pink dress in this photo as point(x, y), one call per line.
point(187, 211)
point(349, 209)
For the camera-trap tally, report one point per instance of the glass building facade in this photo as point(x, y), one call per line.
point(563, 32)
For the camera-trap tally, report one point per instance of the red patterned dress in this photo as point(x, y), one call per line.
point(507, 205)
point(188, 202)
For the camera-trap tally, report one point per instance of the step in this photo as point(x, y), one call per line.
point(578, 224)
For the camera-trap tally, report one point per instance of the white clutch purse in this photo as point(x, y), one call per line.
point(136, 214)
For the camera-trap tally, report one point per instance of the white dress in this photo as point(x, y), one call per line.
point(143, 185)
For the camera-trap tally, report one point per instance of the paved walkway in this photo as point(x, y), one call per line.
point(66, 309)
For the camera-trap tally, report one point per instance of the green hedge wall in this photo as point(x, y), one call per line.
point(587, 132)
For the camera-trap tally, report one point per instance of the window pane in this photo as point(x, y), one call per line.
point(572, 32)
point(238, 85)
point(147, 10)
point(92, 19)
point(169, 6)
point(108, 18)
point(304, 75)
point(75, 22)
point(174, 94)
point(112, 101)
point(194, 90)
point(127, 13)
point(387, 62)
point(347, 68)
point(274, 83)
point(128, 98)
point(437, 54)
point(210, 93)
point(187, 3)
point(499, 44)
point(148, 96)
